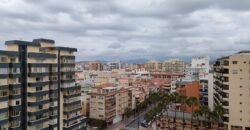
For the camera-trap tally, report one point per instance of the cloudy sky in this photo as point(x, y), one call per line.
point(131, 29)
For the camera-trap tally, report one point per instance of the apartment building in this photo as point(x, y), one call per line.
point(173, 65)
point(122, 98)
point(103, 103)
point(115, 65)
point(95, 65)
point(37, 85)
point(153, 65)
point(199, 70)
point(232, 89)
point(188, 89)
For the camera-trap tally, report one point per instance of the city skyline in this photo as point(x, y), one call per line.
point(130, 30)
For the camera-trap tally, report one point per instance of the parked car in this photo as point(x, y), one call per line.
point(145, 124)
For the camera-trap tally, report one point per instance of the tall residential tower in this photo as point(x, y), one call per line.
point(37, 87)
point(232, 89)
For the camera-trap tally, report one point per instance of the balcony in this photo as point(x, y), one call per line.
point(14, 86)
point(52, 126)
point(41, 55)
point(14, 118)
point(2, 87)
point(16, 96)
point(38, 84)
point(4, 98)
point(72, 95)
point(68, 65)
point(15, 75)
point(4, 76)
point(54, 116)
point(68, 81)
point(68, 73)
point(15, 127)
point(38, 112)
point(79, 124)
point(4, 121)
point(38, 74)
point(72, 119)
point(38, 93)
point(45, 101)
point(39, 121)
point(72, 103)
point(70, 88)
point(67, 112)
point(15, 108)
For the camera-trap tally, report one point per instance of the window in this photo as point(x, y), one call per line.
point(3, 93)
point(12, 59)
point(39, 88)
point(40, 106)
point(39, 79)
point(235, 62)
point(3, 59)
point(17, 102)
point(4, 71)
point(14, 113)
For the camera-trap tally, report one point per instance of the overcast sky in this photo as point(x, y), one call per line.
point(131, 29)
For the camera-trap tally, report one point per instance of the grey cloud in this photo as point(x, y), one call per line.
point(115, 45)
point(134, 29)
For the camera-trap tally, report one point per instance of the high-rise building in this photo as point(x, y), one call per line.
point(232, 89)
point(37, 87)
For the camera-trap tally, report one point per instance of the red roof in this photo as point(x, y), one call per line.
point(104, 85)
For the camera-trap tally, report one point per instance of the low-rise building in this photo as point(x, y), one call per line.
point(188, 89)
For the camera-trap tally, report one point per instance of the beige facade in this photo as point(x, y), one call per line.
point(153, 65)
point(122, 98)
point(232, 89)
point(103, 103)
point(173, 65)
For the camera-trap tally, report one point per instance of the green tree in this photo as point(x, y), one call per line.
point(196, 114)
point(205, 110)
point(219, 112)
point(183, 100)
point(191, 102)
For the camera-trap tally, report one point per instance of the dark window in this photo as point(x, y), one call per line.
point(234, 62)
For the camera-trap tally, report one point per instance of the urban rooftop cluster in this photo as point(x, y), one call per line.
point(43, 87)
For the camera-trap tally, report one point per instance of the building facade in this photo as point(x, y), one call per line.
point(173, 65)
point(103, 103)
point(232, 90)
point(38, 87)
point(153, 65)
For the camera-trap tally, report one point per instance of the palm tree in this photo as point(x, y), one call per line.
point(205, 110)
point(196, 114)
point(183, 100)
point(219, 112)
point(175, 98)
point(212, 117)
point(167, 100)
point(192, 101)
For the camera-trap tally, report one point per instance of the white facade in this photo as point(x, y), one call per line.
point(210, 91)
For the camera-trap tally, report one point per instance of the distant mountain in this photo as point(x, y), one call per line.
point(135, 61)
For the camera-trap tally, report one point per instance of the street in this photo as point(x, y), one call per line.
point(134, 124)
